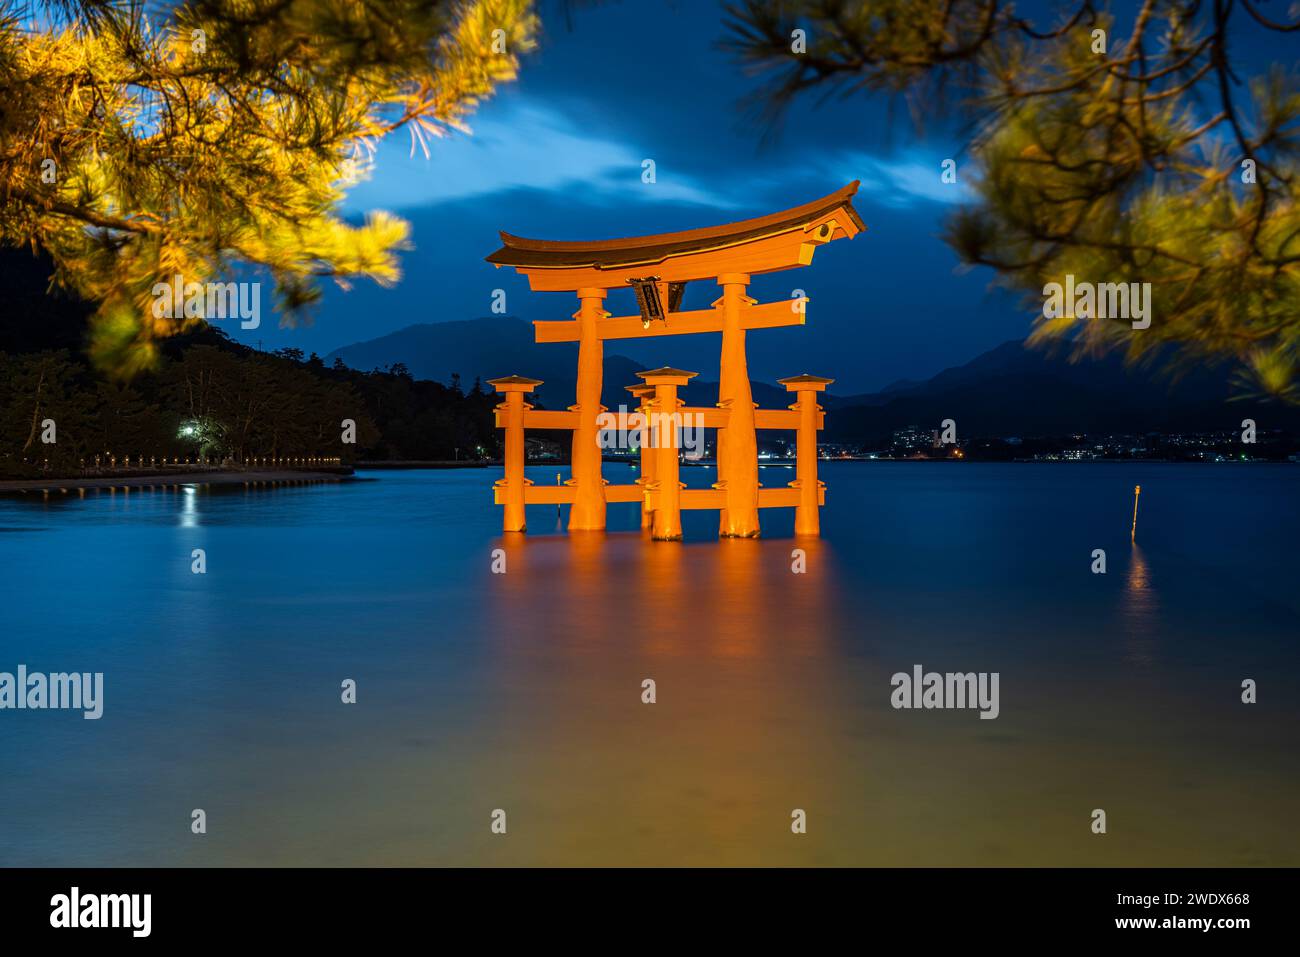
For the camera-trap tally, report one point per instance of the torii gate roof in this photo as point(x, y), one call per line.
point(775, 242)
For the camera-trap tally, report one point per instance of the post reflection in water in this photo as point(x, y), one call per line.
point(1140, 610)
point(737, 735)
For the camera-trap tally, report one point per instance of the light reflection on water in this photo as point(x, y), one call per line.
point(523, 691)
point(189, 507)
point(1141, 609)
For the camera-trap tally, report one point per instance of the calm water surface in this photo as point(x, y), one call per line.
point(523, 691)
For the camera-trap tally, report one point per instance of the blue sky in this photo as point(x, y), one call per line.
point(559, 155)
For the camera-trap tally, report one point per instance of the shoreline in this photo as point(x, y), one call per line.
point(384, 464)
point(154, 480)
point(222, 477)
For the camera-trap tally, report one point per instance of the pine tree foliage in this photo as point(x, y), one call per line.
point(140, 141)
point(1142, 145)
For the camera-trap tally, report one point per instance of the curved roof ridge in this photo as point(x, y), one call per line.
point(520, 251)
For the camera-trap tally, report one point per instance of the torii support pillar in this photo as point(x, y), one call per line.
point(807, 518)
point(588, 511)
point(737, 444)
point(667, 522)
point(514, 388)
point(644, 394)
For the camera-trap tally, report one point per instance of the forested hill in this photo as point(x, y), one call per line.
point(207, 395)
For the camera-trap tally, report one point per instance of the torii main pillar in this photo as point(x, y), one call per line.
point(588, 511)
point(737, 444)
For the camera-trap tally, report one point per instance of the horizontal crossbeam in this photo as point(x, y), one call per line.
point(691, 498)
point(564, 494)
point(766, 315)
point(695, 416)
point(538, 494)
point(705, 498)
point(542, 419)
point(692, 417)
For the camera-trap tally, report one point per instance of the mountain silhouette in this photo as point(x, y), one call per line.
point(1009, 390)
point(493, 346)
point(1015, 391)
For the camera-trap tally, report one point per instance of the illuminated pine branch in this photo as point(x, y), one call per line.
point(139, 141)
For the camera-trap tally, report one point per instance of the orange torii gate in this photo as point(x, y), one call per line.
point(658, 268)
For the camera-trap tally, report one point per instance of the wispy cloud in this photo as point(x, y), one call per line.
point(522, 145)
point(903, 181)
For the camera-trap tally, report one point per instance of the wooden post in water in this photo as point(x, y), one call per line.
point(1133, 533)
